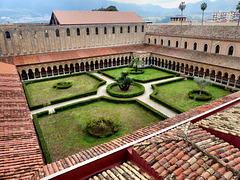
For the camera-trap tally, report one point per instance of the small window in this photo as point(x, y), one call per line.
point(7, 35)
point(162, 42)
point(87, 31)
point(57, 33)
point(185, 45)
point(195, 46)
point(121, 29)
point(46, 33)
point(135, 28)
point(230, 50)
point(149, 40)
point(177, 44)
point(20, 35)
point(217, 49)
point(128, 29)
point(68, 32)
point(105, 30)
point(205, 49)
point(169, 43)
point(142, 28)
point(35, 34)
point(113, 30)
point(78, 31)
point(155, 41)
point(96, 30)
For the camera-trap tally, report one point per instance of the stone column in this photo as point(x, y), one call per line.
point(235, 84)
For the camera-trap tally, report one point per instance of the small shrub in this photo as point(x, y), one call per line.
point(62, 85)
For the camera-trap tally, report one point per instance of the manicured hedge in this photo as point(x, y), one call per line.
point(125, 95)
point(139, 71)
point(206, 95)
point(154, 96)
point(42, 141)
point(115, 100)
point(59, 85)
point(42, 114)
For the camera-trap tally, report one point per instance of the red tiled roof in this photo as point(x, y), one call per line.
point(20, 154)
point(213, 59)
point(103, 148)
point(96, 17)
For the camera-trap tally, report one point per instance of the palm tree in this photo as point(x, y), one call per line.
point(238, 10)
point(182, 6)
point(203, 7)
point(124, 82)
point(136, 63)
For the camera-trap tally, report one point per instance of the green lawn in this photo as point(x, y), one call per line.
point(64, 134)
point(176, 93)
point(149, 73)
point(43, 92)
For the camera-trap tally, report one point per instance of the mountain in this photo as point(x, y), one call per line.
point(40, 10)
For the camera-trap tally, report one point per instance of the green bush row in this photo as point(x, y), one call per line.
point(42, 141)
point(166, 70)
point(125, 95)
point(110, 68)
point(42, 114)
point(153, 79)
point(58, 85)
point(206, 97)
point(154, 96)
point(139, 71)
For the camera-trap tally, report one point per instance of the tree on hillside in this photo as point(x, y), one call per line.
point(182, 6)
point(109, 8)
point(124, 82)
point(136, 63)
point(238, 10)
point(203, 8)
point(202, 83)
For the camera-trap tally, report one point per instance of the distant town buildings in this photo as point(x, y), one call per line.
point(177, 19)
point(225, 16)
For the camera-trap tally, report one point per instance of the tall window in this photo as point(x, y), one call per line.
point(96, 30)
point(135, 28)
point(155, 41)
point(57, 33)
point(185, 45)
point(78, 31)
point(205, 48)
point(162, 42)
point(121, 29)
point(46, 33)
point(68, 32)
point(128, 29)
point(7, 34)
point(142, 28)
point(169, 43)
point(105, 30)
point(177, 44)
point(149, 40)
point(35, 34)
point(195, 46)
point(113, 30)
point(20, 35)
point(230, 50)
point(87, 31)
point(217, 49)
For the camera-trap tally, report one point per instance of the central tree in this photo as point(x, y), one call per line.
point(136, 63)
point(124, 82)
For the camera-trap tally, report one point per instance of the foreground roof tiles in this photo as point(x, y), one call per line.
point(96, 17)
point(188, 152)
point(20, 154)
point(227, 121)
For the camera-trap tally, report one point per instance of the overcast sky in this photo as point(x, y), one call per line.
point(163, 3)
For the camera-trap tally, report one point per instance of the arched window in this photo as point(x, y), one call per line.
point(57, 33)
point(113, 30)
point(162, 42)
point(142, 28)
point(46, 33)
point(105, 30)
point(68, 32)
point(96, 30)
point(78, 31)
point(149, 40)
point(35, 34)
point(169, 43)
point(121, 29)
point(195, 46)
point(230, 50)
point(155, 41)
point(177, 44)
point(135, 28)
point(7, 35)
point(20, 35)
point(217, 49)
point(185, 45)
point(205, 48)
point(87, 31)
point(128, 29)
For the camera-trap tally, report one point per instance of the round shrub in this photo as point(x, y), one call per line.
point(125, 94)
point(62, 85)
point(194, 94)
point(102, 127)
point(139, 71)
